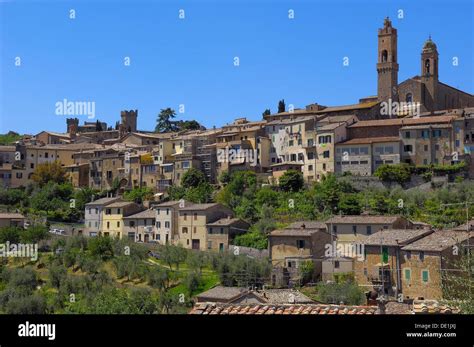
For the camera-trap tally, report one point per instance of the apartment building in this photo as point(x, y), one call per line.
point(352, 229)
point(426, 144)
point(7, 158)
point(193, 221)
point(327, 135)
point(140, 227)
point(424, 261)
point(362, 156)
point(243, 145)
point(300, 242)
point(222, 232)
point(379, 269)
point(166, 217)
point(293, 141)
point(93, 215)
point(113, 217)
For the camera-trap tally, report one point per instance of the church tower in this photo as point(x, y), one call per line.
point(387, 66)
point(429, 74)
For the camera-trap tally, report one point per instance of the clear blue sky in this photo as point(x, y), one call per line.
point(190, 61)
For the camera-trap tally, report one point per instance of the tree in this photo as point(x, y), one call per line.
point(11, 234)
point(350, 204)
point(267, 112)
point(281, 106)
point(291, 181)
point(98, 126)
point(192, 178)
point(306, 271)
point(188, 125)
point(49, 172)
point(458, 284)
point(164, 121)
point(138, 195)
point(34, 234)
point(399, 173)
point(101, 246)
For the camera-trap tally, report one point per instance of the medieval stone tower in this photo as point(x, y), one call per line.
point(72, 125)
point(128, 121)
point(387, 65)
point(429, 74)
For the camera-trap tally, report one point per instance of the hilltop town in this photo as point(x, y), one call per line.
point(349, 209)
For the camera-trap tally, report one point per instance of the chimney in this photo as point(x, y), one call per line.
point(303, 226)
point(381, 301)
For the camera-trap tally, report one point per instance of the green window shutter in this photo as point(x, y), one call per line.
point(384, 255)
point(425, 275)
point(407, 274)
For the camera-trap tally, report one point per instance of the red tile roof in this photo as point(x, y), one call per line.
point(404, 121)
point(287, 309)
point(368, 140)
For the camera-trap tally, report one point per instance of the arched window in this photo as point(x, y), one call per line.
point(409, 97)
point(384, 56)
point(427, 66)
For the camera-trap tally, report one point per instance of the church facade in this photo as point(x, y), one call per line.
point(424, 89)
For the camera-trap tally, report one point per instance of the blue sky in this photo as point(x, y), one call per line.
point(190, 61)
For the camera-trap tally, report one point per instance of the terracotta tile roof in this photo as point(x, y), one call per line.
point(439, 240)
point(432, 306)
point(394, 237)
point(403, 121)
point(102, 201)
point(147, 214)
point(294, 232)
point(11, 216)
point(199, 207)
point(362, 219)
point(369, 140)
point(225, 222)
point(308, 225)
point(283, 309)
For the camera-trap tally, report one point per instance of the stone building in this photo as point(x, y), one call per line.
point(222, 232)
point(193, 220)
point(425, 89)
point(424, 262)
point(380, 268)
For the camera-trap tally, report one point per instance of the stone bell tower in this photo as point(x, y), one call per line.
point(387, 65)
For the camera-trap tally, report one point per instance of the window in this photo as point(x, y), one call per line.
point(209, 244)
point(158, 225)
point(407, 274)
point(336, 264)
point(407, 134)
point(167, 211)
point(310, 167)
point(425, 276)
point(334, 229)
point(118, 224)
point(409, 97)
point(132, 223)
point(369, 230)
point(326, 154)
point(185, 216)
point(185, 230)
point(422, 256)
point(425, 147)
point(364, 150)
point(425, 134)
point(408, 148)
point(299, 244)
point(354, 229)
point(167, 225)
point(324, 166)
point(195, 216)
point(311, 155)
point(388, 150)
point(384, 254)
point(108, 225)
point(437, 133)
